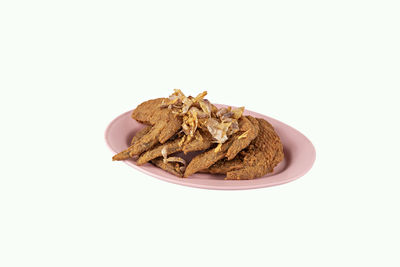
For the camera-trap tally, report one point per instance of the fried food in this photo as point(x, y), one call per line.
point(146, 111)
point(164, 123)
point(170, 167)
point(168, 125)
point(242, 147)
point(250, 131)
point(170, 147)
point(122, 155)
point(223, 166)
point(197, 144)
point(143, 143)
point(247, 132)
point(201, 142)
point(140, 134)
point(260, 158)
point(206, 159)
point(125, 154)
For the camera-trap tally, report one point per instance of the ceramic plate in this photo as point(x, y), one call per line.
point(299, 156)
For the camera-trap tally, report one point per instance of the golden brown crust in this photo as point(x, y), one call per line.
point(169, 123)
point(146, 111)
point(197, 144)
point(231, 147)
point(140, 134)
point(125, 154)
point(122, 155)
point(146, 142)
point(261, 156)
point(164, 125)
point(258, 159)
point(223, 166)
point(249, 131)
point(174, 146)
point(170, 146)
point(206, 159)
point(170, 167)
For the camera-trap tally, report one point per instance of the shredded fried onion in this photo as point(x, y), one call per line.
point(176, 159)
point(225, 124)
point(196, 112)
point(167, 159)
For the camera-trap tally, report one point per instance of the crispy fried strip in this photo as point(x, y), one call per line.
point(169, 166)
point(146, 142)
point(171, 147)
point(259, 158)
point(140, 134)
point(206, 159)
point(122, 155)
point(125, 154)
point(266, 152)
point(175, 146)
point(146, 112)
point(165, 123)
point(160, 132)
point(171, 125)
point(223, 166)
point(247, 173)
point(134, 150)
point(250, 128)
point(198, 144)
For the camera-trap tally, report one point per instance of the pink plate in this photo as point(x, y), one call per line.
point(299, 156)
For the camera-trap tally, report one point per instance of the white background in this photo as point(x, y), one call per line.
point(328, 68)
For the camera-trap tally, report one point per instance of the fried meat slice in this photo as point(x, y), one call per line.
point(258, 159)
point(160, 132)
point(140, 134)
point(249, 128)
point(165, 122)
point(122, 155)
point(230, 148)
point(144, 143)
point(163, 119)
point(125, 154)
point(203, 141)
point(170, 167)
point(164, 125)
point(169, 123)
point(146, 111)
point(206, 159)
point(170, 147)
point(223, 166)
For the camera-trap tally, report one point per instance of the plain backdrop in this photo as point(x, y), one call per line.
point(328, 68)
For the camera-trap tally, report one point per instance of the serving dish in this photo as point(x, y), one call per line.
point(299, 156)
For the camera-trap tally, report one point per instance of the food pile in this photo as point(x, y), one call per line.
point(242, 147)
